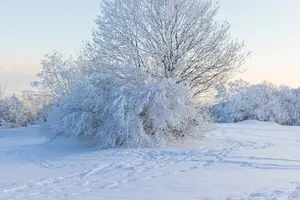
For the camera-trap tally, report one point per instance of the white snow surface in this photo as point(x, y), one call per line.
point(249, 160)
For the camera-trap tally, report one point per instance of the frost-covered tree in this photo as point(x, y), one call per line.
point(146, 63)
point(57, 75)
point(3, 106)
point(264, 102)
point(11, 111)
point(4, 112)
point(168, 38)
point(290, 103)
point(2, 90)
point(225, 92)
point(17, 111)
point(33, 103)
point(14, 105)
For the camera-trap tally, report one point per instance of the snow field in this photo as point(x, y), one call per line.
point(248, 160)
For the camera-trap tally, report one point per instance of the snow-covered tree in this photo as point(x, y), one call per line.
point(58, 75)
point(2, 91)
point(4, 112)
point(136, 83)
point(33, 102)
point(225, 92)
point(18, 111)
point(264, 102)
point(14, 105)
point(168, 38)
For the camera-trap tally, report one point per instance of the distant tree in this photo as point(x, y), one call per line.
point(263, 102)
point(4, 112)
point(57, 75)
point(2, 90)
point(19, 111)
point(168, 38)
point(14, 105)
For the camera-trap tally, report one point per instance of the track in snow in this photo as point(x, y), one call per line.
point(64, 171)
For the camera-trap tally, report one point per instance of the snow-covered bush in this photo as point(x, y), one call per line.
point(264, 102)
point(126, 107)
point(16, 112)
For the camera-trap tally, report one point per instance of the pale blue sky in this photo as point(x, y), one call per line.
point(31, 28)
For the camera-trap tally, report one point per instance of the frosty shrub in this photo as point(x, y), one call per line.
point(126, 107)
point(264, 102)
point(15, 112)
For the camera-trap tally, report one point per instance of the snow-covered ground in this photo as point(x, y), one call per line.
point(248, 160)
